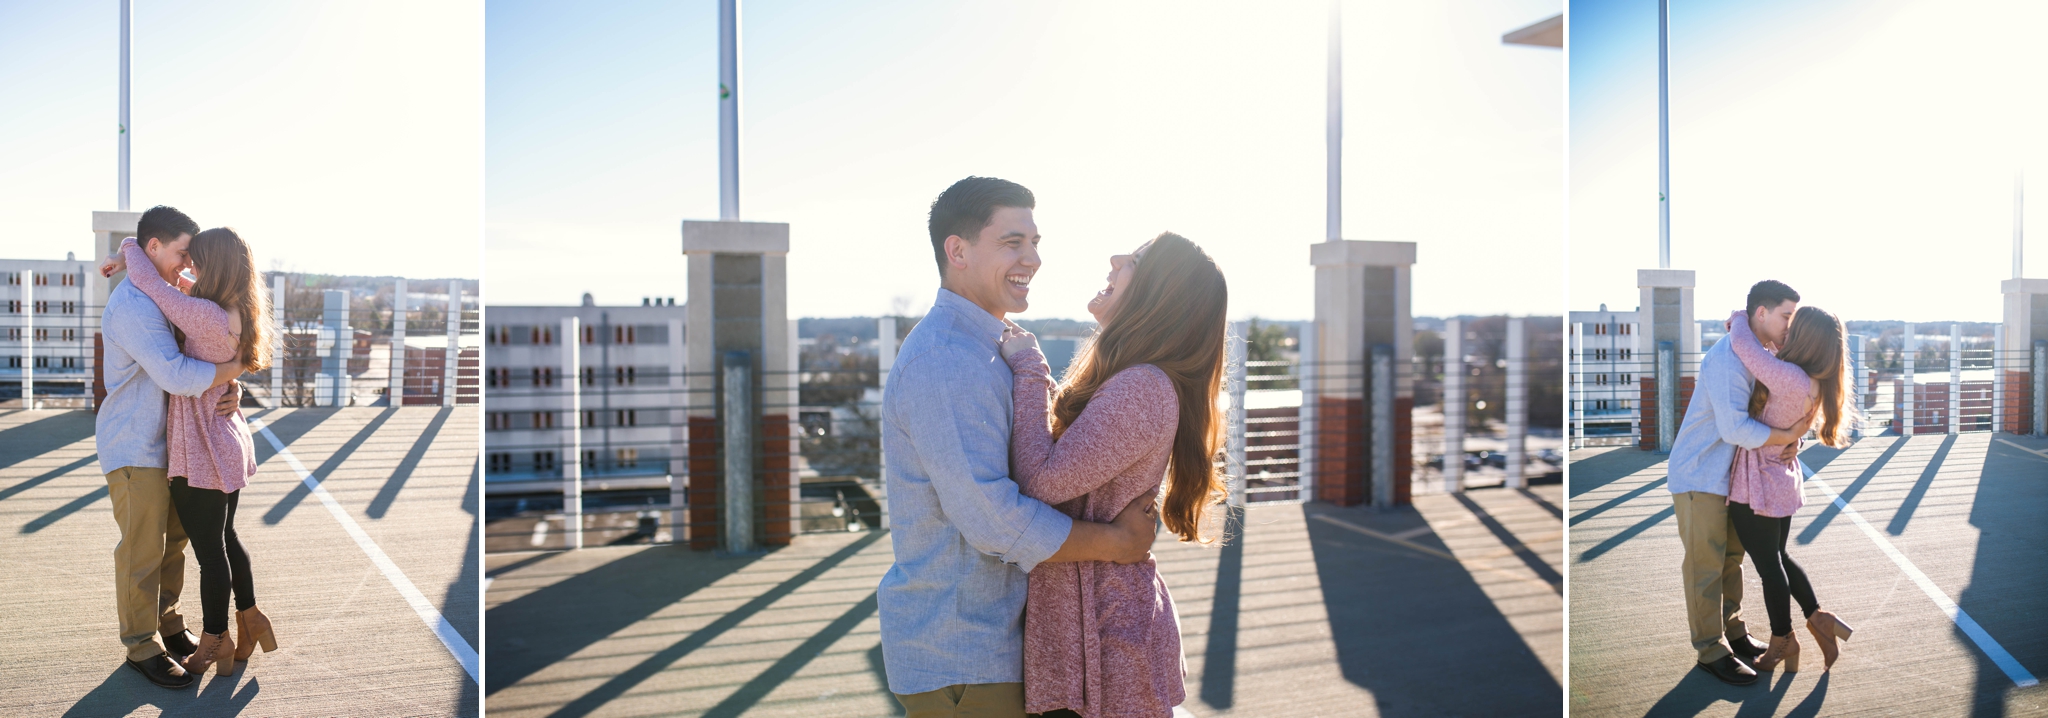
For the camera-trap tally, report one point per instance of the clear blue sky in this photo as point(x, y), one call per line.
point(338, 137)
point(1861, 151)
point(1126, 119)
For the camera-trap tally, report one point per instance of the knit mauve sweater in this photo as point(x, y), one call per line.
point(1761, 477)
point(211, 451)
point(1100, 639)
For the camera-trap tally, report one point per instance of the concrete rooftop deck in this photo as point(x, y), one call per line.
point(350, 644)
point(1967, 511)
point(1453, 608)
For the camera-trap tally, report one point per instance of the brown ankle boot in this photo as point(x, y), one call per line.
point(1827, 628)
point(214, 649)
point(252, 628)
point(1784, 649)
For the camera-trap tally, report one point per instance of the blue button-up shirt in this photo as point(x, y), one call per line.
point(952, 606)
point(142, 363)
point(1716, 421)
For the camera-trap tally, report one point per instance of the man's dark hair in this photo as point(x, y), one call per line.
point(163, 223)
point(1769, 293)
point(965, 207)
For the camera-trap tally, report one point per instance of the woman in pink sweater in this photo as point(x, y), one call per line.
point(226, 318)
point(1138, 407)
point(1808, 376)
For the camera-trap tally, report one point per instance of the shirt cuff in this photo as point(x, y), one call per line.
point(1041, 539)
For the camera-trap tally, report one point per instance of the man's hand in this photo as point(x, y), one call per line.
point(230, 402)
point(1139, 526)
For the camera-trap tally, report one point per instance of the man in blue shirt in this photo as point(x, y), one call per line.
point(142, 363)
point(1716, 422)
point(952, 605)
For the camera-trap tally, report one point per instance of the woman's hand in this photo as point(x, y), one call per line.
point(116, 263)
point(1015, 340)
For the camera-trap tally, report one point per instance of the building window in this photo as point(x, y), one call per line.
point(42, 307)
point(70, 280)
point(70, 307)
point(1626, 353)
point(497, 421)
point(626, 417)
point(630, 379)
point(1625, 328)
point(499, 463)
point(13, 277)
point(70, 335)
point(42, 335)
point(589, 334)
point(543, 461)
point(14, 305)
point(590, 460)
point(628, 458)
point(14, 362)
point(42, 362)
point(71, 362)
point(42, 280)
point(590, 376)
point(589, 418)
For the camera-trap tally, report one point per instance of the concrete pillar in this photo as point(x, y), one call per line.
point(1234, 437)
point(1955, 378)
point(1998, 366)
point(1907, 391)
point(738, 451)
point(1308, 373)
point(1454, 405)
point(1362, 301)
point(885, 350)
point(336, 342)
point(395, 392)
point(2026, 322)
point(1666, 315)
point(572, 419)
point(738, 301)
point(277, 353)
point(1518, 403)
point(28, 339)
point(449, 384)
point(108, 229)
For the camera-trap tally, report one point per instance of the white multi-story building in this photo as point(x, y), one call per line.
point(1605, 369)
point(632, 395)
point(46, 301)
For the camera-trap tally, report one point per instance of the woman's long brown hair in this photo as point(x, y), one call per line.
point(228, 277)
point(1171, 316)
point(1818, 345)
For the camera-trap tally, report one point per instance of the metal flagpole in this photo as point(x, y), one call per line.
point(2019, 224)
point(1663, 134)
point(121, 196)
point(728, 110)
point(1334, 126)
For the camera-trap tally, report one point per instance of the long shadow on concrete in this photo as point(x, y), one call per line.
point(1416, 631)
point(55, 431)
point(1696, 692)
point(1604, 468)
point(461, 606)
point(786, 667)
point(1219, 664)
point(125, 692)
point(45, 477)
point(334, 461)
point(1829, 510)
point(626, 680)
point(388, 494)
point(2008, 590)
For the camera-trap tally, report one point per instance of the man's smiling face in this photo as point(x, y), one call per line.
point(995, 270)
point(169, 257)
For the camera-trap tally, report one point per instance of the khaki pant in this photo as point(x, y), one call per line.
point(149, 563)
point(1713, 572)
point(974, 700)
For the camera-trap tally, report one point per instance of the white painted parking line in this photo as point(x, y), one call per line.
point(2037, 452)
point(1962, 619)
point(450, 638)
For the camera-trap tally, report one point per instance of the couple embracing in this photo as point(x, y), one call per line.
point(1736, 479)
point(173, 443)
point(1022, 510)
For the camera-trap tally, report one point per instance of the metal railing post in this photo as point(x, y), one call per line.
point(396, 389)
point(448, 382)
point(1667, 396)
point(338, 341)
point(1233, 451)
point(739, 452)
point(2041, 387)
point(1955, 378)
point(1305, 455)
point(1454, 405)
point(572, 464)
point(1997, 379)
point(885, 349)
point(1382, 426)
point(1518, 403)
point(1856, 388)
point(277, 354)
point(678, 507)
point(1906, 398)
point(28, 339)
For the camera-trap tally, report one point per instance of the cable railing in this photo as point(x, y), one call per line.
point(1907, 385)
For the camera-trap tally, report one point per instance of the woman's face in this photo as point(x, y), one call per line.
point(1121, 268)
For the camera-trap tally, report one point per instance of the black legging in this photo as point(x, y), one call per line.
point(1763, 538)
point(209, 519)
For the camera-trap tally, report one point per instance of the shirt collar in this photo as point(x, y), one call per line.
point(977, 319)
